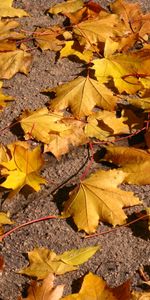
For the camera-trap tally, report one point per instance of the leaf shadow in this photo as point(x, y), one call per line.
point(77, 283)
point(16, 129)
point(139, 228)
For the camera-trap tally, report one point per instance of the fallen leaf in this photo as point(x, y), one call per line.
point(104, 124)
point(134, 162)
point(65, 7)
point(148, 213)
point(72, 48)
point(22, 169)
point(57, 132)
point(143, 103)
point(140, 295)
point(4, 99)
point(6, 10)
point(8, 36)
point(81, 95)
point(44, 290)
point(95, 288)
point(3, 153)
point(44, 261)
point(61, 142)
point(12, 62)
point(48, 38)
point(4, 220)
point(123, 68)
point(98, 198)
point(94, 31)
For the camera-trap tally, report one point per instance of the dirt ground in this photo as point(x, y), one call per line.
point(122, 251)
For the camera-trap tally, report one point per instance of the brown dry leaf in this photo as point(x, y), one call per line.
point(14, 61)
point(123, 68)
point(81, 95)
point(95, 288)
point(48, 38)
point(44, 290)
point(22, 168)
point(44, 261)
point(1, 265)
point(134, 162)
point(69, 6)
point(6, 10)
point(4, 99)
point(8, 36)
point(104, 124)
point(98, 198)
point(72, 48)
point(74, 135)
point(132, 17)
point(95, 31)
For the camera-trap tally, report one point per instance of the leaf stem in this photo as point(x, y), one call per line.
point(25, 224)
point(116, 228)
point(89, 164)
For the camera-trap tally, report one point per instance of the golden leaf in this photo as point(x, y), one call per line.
point(4, 99)
point(14, 61)
point(73, 48)
point(123, 69)
point(44, 261)
point(48, 38)
point(99, 198)
point(6, 10)
point(104, 124)
point(95, 288)
point(66, 7)
point(22, 168)
point(81, 95)
point(8, 37)
point(134, 162)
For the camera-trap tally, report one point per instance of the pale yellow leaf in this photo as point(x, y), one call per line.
point(44, 261)
point(71, 48)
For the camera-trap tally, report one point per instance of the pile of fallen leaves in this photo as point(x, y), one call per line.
point(109, 101)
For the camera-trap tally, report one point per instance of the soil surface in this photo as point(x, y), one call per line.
point(124, 250)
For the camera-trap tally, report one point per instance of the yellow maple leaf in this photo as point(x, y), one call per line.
point(72, 48)
point(140, 102)
point(81, 95)
point(8, 35)
point(6, 10)
point(68, 6)
point(40, 123)
point(123, 68)
point(44, 290)
point(12, 62)
point(95, 288)
point(54, 130)
point(22, 168)
point(99, 198)
point(73, 135)
point(48, 38)
point(44, 261)
point(135, 162)
point(104, 124)
point(4, 99)
point(94, 31)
